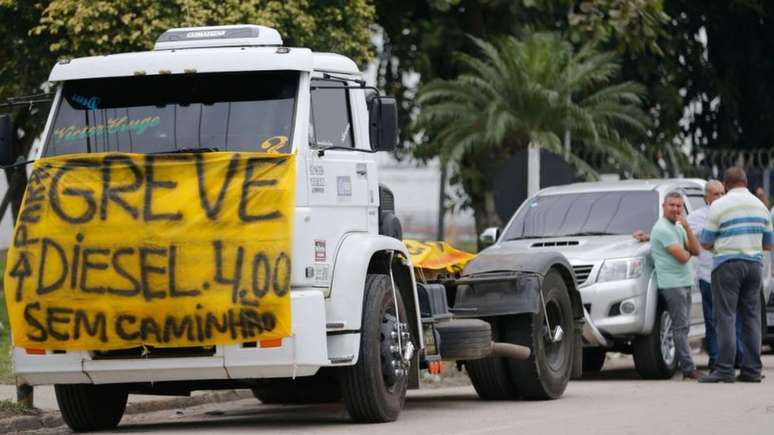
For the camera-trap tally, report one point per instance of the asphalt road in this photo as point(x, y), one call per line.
point(614, 402)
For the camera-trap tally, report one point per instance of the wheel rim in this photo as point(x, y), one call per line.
point(394, 368)
point(667, 340)
point(554, 351)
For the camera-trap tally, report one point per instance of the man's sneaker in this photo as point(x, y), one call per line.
point(692, 375)
point(748, 378)
point(715, 377)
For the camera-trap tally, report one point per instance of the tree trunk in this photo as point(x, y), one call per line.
point(533, 168)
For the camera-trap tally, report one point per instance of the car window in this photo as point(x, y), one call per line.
point(585, 213)
point(330, 123)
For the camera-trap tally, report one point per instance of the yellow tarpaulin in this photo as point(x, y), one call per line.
point(437, 256)
point(121, 250)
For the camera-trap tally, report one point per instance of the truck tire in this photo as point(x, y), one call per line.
point(464, 339)
point(373, 391)
point(87, 407)
point(544, 376)
point(654, 354)
point(490, 376)
point(593, 359)
point(323, 387)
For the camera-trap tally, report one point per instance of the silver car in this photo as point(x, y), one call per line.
point(592, 225)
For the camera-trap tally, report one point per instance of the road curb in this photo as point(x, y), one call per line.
point(54, 419)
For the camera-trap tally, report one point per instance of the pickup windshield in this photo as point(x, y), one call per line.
point(249, 111)
point(586, 213)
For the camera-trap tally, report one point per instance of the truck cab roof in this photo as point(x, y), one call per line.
point(206, 50)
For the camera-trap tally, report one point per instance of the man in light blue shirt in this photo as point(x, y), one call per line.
point(738, 229)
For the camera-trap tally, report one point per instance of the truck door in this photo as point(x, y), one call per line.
point(343, 189)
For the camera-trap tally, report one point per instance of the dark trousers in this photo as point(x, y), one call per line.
point(711, 337)
point(736, 287)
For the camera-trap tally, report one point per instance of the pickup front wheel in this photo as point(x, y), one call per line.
point(374, 389)
point(654, 354)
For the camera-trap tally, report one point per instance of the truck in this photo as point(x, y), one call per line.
point(208, 215)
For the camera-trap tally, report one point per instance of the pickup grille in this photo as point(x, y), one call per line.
point(582, 272)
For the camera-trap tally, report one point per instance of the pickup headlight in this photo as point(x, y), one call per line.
point(621, 268)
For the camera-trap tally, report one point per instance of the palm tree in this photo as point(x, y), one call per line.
point(531, 93)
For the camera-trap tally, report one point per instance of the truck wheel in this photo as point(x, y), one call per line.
point(374, 389)
point(461, 339)
point(323, 387)
point(546, 373)
point(593, 359)
point(654, 354)
point(87, 407)
point(490, 376)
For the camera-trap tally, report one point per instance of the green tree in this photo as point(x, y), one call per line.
point(529, 91)
point(107, 26)
point(419, 35)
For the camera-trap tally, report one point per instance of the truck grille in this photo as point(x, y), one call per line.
point(582, 272)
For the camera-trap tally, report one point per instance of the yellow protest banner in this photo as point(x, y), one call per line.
point(122, 250)
point(437, 256)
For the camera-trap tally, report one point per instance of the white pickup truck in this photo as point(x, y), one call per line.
point(361, 326)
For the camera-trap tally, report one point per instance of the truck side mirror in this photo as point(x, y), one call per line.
point(6, 140)
point(383, 123)
point(489, 236)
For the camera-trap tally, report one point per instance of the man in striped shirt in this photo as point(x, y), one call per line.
point(738, 229)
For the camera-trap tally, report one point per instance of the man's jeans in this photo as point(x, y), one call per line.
point(711, 336)
point(678, 301)
point(736, 287)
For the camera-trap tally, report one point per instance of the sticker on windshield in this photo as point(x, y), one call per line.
point(87, 102)
point(274, 144)
point(113, 126)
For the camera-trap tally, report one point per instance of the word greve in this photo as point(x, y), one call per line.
point(120, 250)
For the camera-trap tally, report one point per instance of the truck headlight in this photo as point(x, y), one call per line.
point(621, 268)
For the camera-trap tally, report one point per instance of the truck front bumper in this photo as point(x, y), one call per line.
point(300, 354)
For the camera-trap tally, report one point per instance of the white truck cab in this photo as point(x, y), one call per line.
point(237, 88)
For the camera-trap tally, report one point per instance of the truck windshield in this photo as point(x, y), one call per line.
point(245, 111)
point(586, 213)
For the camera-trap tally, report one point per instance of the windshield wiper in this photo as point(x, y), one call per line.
point(588, 233)
point(189, 150)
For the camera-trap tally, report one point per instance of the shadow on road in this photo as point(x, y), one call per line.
point(617, 374)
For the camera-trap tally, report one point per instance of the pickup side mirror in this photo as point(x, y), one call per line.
point(489, 236)
point(6, 140)
point(383, 123)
